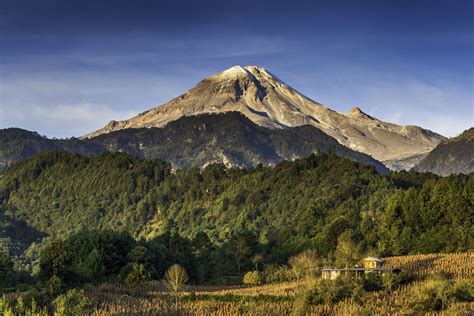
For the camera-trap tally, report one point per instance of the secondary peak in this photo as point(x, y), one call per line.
point(356, 111)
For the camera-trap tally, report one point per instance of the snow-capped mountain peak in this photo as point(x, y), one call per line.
point(268, 101)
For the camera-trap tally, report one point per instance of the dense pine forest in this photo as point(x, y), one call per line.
point(67, 219)
point(296, 205)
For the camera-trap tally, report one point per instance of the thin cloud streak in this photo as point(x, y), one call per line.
point(412, 68)
point(94, 98)
point(62, 105)
point(64, 120)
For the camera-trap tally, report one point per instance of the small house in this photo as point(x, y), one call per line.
point(335, 273)
point(370, 265)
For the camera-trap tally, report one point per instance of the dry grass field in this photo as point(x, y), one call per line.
point(281, 298)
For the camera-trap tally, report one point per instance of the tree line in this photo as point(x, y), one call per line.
point(234, 218)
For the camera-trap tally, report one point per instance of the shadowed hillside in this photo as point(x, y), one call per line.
point(196, 141)
point(455, 155)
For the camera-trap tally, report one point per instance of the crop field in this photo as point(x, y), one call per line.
point(459, 265)
point(283, 298)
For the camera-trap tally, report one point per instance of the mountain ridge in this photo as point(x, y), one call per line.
point(454, 155)
point(194, 141)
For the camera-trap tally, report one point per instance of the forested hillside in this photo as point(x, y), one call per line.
point(17, 144)
point(282, 210)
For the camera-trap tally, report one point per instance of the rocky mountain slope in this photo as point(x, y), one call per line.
point(455, 155)
point(195, 141)
point(269, 102)
point(229, 138)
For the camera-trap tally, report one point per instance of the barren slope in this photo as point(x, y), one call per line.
point(269, 102)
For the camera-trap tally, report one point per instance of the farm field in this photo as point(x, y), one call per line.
point(285, 298)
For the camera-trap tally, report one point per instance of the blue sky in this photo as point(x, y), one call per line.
point(68, 67)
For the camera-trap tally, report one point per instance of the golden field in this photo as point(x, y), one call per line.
point(279, 299)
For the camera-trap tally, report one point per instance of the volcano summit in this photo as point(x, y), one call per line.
point(270, 102)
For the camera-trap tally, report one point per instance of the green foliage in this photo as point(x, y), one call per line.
point(464, 290)
point(19, 308)
point(277, 273)
point(73, 303)
point(53, 286)
point(358, 291)
point(418, 220)
point(99, 254)
point(214, 221)
point(330, 292)
point(241, 247)
point(55, 259)
point(252, 278)
point(439, 291)
point(7, 274)
point(304, 265)
point(134, 274)
point(16, 235)
point(374, 282)
point(347, 252)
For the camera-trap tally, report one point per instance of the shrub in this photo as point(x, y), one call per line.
point(304, 265)
point(330, 292)
point(252, 278)
point(20, 308)
point(358, 291)
point(302, 302)
point(464, 291)
point(434, 295)
point(55, 259)
point(192, 296)
point(72, 303)
point(7, 275)
point(54, 285)
point(134, 274)
point(274, 273)
point(425, 300)
point(372, 282)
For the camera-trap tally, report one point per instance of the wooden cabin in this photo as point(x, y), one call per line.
point(371, 265)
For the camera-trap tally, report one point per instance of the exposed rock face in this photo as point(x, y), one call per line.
point(404, 164)
point(269, 102)
point(455, 155)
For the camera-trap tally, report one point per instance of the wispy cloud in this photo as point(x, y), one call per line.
point(443, 109)
point(440, 102)
point(75, 90)
point(62, 105)
point(95, 80)
point(152, 49)
point(64, 119)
